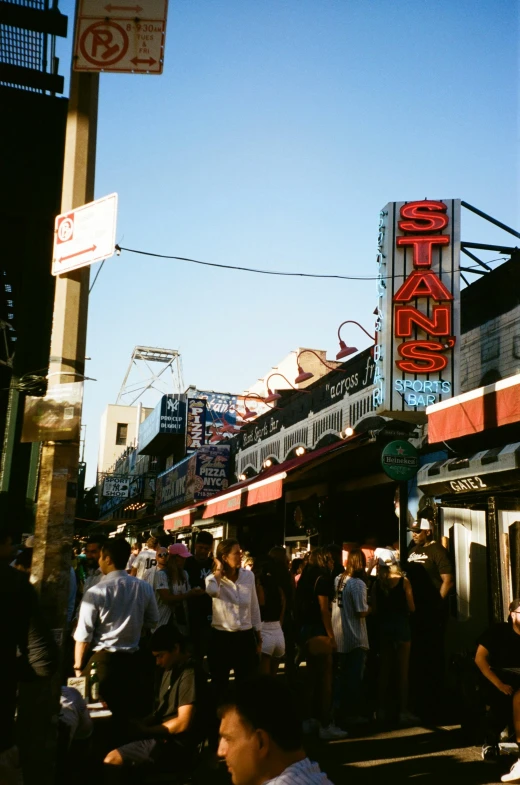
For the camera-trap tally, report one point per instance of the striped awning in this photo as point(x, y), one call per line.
point(480, 473)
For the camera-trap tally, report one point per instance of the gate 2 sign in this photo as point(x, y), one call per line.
point(125, 38)
point(418, 316)
point(400, 460)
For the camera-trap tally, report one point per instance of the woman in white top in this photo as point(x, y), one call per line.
point(236, 639)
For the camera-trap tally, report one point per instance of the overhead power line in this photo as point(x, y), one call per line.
point(120, 248)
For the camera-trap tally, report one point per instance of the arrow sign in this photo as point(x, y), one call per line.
point(90, 235)
point(137, 60)
point(78, 253)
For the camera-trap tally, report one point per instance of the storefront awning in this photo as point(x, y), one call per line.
point(264, 488)
point(483, 472)
point(476, 411)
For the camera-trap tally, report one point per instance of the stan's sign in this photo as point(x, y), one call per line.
point(418, 319)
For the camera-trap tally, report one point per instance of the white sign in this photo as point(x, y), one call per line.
point(85, 235)
point(418, 315)
point(117, 487)
point(120, 38)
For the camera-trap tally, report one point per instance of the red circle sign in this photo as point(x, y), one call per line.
point(103, 43)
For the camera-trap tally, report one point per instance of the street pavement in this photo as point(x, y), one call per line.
point(422, 755)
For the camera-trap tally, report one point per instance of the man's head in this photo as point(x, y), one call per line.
point(114, 555)
point(514, 613)
point(151, 543)
point(136, 548)
point(168, 647)
point(203, 546)
point(93, 550)
point(260, 732)
point(162, 557)
point(421, 531)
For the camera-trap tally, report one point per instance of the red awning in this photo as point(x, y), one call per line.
point(266, 487)
point(476, 411)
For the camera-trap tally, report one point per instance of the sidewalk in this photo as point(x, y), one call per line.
point(421, 755)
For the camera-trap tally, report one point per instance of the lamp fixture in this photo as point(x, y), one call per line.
point(274, 396)
point(347, 433)
point(300, 451)
point(304, 376)
point(242, 477)
point(268, 463)
point(344, 350)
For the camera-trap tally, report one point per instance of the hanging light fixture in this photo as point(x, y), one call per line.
point(299, 451)
point(344, 350)
point(274, 396)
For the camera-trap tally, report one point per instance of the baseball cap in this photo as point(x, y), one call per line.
point(421, 524)
point(179, 549)
point(514, 605)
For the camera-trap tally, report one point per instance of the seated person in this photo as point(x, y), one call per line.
point(261, 737)
point(498, 659)
point(169, 737)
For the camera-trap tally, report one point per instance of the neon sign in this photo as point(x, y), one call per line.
point(418, 311)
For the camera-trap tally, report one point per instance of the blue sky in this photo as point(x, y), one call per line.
point(275, 135)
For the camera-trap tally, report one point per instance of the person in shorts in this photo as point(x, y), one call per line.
point(170, 735)
point(498, 659)
point(272, 609)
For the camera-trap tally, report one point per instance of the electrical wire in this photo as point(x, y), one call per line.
point(120, 248)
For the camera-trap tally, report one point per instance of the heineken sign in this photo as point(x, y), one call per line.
point(400, 460)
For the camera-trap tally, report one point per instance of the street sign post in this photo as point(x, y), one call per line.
point(120, 37)
point(85, 235)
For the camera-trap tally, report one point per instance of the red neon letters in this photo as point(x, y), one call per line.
point(423, 356)
point(406, 316)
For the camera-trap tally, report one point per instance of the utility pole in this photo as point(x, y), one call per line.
point(56, 503)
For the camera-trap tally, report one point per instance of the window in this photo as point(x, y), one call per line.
point(121, 433)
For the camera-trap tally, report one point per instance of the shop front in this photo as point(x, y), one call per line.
point(477, 493)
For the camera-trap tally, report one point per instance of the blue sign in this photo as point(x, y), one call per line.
point(167, 419)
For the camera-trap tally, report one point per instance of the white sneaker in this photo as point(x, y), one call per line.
point(514, 774)
point(332, 733)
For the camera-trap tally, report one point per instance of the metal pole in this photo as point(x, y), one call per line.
point(403, 524)
point(490, 219)
point(56, 505)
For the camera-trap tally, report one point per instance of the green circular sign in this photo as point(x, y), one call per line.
point(400, 460)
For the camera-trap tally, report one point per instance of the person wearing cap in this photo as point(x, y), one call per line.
point(498, 659)
point(430, 572)
point(198, 567)
point(172, 587)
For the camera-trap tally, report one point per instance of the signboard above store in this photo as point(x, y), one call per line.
point(418, 316)
point(400, 460)
point(117, 487)
point(167, 420)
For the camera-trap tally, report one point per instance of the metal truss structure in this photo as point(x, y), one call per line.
point(143, 363)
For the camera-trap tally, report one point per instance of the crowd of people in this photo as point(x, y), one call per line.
point(175, 626)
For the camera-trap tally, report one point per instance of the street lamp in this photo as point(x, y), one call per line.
point(346, 351)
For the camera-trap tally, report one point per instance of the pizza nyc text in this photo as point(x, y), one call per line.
point(418, 319)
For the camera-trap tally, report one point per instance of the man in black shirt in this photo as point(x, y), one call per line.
point(198, 567)
point(431, 574)
point(169, 736)
point(498, 659)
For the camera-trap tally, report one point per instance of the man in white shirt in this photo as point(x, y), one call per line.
point(146, 559)
point(261, 738)
point(111, 619)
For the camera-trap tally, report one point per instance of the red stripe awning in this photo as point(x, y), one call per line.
point(266, 487)
point(476, 411)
